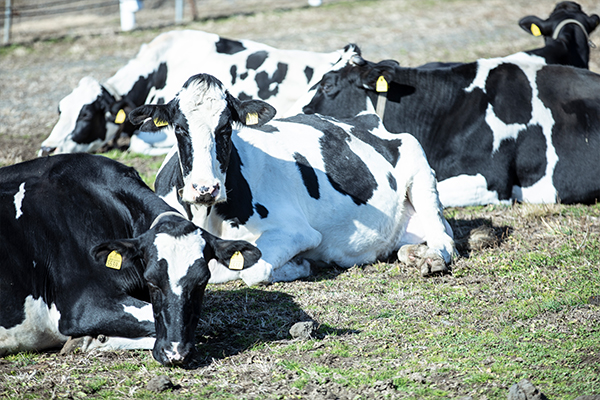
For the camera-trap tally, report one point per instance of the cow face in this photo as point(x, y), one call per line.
point(341, 92)
point(202, 115)
point(86, 121)
point(175, 256)
point(566, 10)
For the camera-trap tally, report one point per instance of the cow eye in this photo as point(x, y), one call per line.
point(327, 87)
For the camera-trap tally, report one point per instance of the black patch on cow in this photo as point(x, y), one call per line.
point(141, 88)
point(509, 93)
point(223, 139)
point(308, 72)
point(267, 128)
point(392, 181)
point(239, 209)
point(233, 72)
point(261, 210)
point(255, 60)
point(346, 172)
point(363, 125)
point(243, 76)
point(309, 177)
point(243, 96)
point(161, 100)
point(184, 144)
point(264, 82)
point(530, 160)
point(91, 118)
point(227, 46)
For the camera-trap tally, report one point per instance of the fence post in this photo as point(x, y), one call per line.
point(7, 21)
point(178, 11)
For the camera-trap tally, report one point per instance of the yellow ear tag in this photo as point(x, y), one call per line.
point(237, 261)
point(114, 260)
point(251, 118)
point(120, 118)
point(382, 85)
point(160, 123)
point(535, 30)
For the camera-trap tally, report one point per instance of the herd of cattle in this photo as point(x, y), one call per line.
point(357, 166)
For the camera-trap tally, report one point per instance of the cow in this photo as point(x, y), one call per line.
point(495, 131)
point(566, 34)
point(93, 114)
point(88, 251)
point(305, 188)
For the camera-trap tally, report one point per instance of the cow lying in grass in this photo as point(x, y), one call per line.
point(302, 188)
point(88, 250)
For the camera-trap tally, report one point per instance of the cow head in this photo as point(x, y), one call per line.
point(344, 91)
point(89, 117)
point(173, 257)
point(566, 23)
point(202, 115)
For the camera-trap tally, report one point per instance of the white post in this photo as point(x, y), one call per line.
point(128, 8)
point(178, 11)
point(7, 21)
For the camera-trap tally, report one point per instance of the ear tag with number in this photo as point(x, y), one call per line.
point(251, 118)
point(160, 123)
point(382, 85)
point(114, 260)
point(120, 118)
point(535, 30)
point(237, 261)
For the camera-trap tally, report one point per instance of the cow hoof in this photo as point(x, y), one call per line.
point(423, 258)
point(74, 344)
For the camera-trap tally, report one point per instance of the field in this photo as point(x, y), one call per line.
point(528, 306)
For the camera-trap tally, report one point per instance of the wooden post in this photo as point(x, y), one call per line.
point(7, 21)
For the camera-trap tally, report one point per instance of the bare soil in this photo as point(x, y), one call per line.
point(51, 55)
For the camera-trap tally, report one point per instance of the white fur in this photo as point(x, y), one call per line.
point(18, 200)
point(141, 314)
point(38, 331)
point(180, 254)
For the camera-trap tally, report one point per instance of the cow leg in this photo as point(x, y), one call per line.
point(106, 343)
point(121, 324)
point(426, 210)
point(279, 250)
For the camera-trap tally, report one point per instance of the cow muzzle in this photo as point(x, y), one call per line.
point(201, 194)
point(174, 355)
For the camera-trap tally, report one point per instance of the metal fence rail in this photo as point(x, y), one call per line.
point(30, 20)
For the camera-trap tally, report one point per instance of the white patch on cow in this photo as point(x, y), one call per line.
point(466, 190)
point(141, 314)
point(202, 105)
point(180, 253)
point(39, 330)
point(19, 200)
point(85, 93)
point(542, 191)
point(173, 354)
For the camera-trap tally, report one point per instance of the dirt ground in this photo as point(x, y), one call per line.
point(51, 56)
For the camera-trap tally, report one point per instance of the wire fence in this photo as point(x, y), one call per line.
point(30, 20)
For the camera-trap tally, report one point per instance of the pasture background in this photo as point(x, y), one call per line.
point(524, 308)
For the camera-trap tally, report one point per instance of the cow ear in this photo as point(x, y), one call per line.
point(153, 116)
point(386, 68)
point(113, 253)
point(535, 26)
point(252, 112)
point(227, 251)
point(594, 21)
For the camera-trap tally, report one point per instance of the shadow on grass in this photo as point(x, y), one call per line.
point(462, 229)
point(234, 321)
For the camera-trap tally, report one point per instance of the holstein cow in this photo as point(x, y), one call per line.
point(301, 188)
point(495, 130)
point(93, 113)
point(88, 250)
point(566, 34)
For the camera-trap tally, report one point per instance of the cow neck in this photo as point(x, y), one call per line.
point(572, 21)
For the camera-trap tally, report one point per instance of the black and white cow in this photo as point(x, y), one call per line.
point(302, 188)
point(94, 113)
point(566, 34)
point(499, 129)
point(88, 250)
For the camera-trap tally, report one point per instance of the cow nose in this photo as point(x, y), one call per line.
point(205, 194)
point(177, 355)
point(46, 151)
